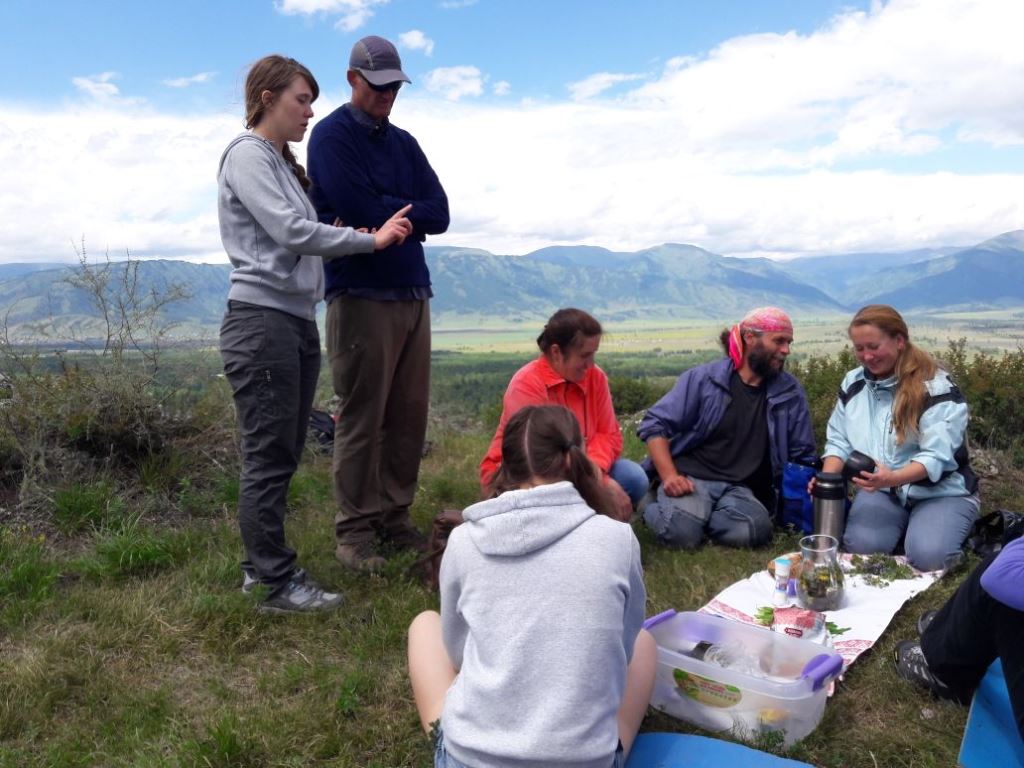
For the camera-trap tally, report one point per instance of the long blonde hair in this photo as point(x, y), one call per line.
point(914, 368)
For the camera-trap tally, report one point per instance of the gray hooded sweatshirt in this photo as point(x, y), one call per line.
point(270, 232)
point(541, 602)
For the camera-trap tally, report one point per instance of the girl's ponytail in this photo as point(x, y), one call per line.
point(544, 443)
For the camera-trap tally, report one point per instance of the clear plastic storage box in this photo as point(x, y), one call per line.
point(724, 675)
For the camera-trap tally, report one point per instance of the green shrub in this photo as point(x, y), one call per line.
point(632, 395)
point(137, 550)
point(82, 506)
point(27, 577)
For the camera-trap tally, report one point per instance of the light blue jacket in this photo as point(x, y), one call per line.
point(862, 421)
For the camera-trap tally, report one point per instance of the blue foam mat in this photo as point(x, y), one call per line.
point(991, 737)
point(685, 750)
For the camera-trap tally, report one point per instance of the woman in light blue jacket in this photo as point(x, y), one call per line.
point(905, 412)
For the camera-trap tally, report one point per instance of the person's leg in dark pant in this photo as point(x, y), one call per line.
point(261, 352)
point(364, 341)
point(966, 636)
point(405, 426)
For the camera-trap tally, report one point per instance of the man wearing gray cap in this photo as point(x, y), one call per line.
point(378, 311)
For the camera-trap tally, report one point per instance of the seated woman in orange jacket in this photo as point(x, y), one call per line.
point(565, 374)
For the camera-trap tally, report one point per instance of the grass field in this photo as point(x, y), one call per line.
point(127, 642)
point(984, 331)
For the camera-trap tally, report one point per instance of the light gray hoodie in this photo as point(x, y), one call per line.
point(541, 602)
point(270, 232)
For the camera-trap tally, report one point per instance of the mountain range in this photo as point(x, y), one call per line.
point(475, 288)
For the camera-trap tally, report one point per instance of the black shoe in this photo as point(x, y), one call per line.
point(913, 666)
point(924, 620)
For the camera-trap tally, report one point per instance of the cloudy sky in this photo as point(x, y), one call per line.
point(748, 127)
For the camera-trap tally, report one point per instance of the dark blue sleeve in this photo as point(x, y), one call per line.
point(675, 413)
point(344, 186)
point(429, 214)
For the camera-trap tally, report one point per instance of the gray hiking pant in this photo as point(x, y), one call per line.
point(272, 361)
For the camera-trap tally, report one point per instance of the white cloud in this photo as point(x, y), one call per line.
point(454, 82)
point(185, 82)
point(354, 13)
point(415, 40)
point(453, 4)
point(125, 178)
point(98, 86)
point(598, 83)
point(101, 89)
point(501, 88)
point(853, 137)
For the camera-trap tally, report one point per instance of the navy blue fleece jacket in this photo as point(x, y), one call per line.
point(362, 174)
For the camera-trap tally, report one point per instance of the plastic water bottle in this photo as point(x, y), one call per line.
point(730, 655)
point(780, 595)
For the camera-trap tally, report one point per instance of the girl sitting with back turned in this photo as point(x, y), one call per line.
point(537, 657)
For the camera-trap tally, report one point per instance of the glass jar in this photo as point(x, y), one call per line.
point(820, 586)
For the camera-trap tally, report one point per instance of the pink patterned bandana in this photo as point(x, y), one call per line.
point(763, 320)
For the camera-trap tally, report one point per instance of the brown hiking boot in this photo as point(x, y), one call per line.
point(360, 556)
point(405, 536)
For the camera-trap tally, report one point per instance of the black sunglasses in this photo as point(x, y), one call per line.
point(393, 87)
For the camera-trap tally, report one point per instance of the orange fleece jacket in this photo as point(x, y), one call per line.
point(537, 383)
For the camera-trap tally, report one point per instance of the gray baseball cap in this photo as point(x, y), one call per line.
point(377, 60)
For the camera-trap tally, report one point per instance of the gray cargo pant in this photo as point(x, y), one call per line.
point(272, 361)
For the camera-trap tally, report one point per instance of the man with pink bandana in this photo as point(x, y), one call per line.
point(719, 440)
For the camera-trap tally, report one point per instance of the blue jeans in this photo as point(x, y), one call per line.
point(631, 477)
point(728, 513)
point(443, 760)
point(934, 529)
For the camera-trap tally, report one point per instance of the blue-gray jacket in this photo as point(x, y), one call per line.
point(862, 420)
point(695, 405)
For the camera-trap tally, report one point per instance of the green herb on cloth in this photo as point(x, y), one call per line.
point(880, 570)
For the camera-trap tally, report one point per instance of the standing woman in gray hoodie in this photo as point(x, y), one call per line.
point(268, 339)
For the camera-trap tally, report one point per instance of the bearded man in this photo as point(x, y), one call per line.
point(719, 440)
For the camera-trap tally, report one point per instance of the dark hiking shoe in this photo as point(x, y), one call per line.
point(301, 595)
point(405, 537)
point(250, 582)
point(360, 556)
point(913, 666)
point(924, 620)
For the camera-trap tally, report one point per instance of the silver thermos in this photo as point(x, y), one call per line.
point(830, 505)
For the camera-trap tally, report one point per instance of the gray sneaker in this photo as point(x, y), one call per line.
point(300, 595)
point(250, 582)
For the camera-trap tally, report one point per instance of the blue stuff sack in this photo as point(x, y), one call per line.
point(797, 505)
